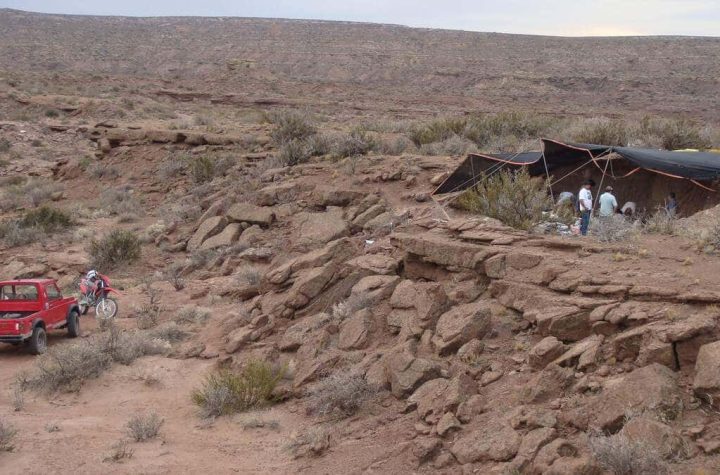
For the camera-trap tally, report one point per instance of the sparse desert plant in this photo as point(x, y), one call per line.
point(621, 456)
point(18, 398)
point(173, 274)
point(39, 191)
point(396, 146)
point(202, 169)
point(660, 222)
point(52, 427)
point(227, 392)
point(290, 126)
point(118, 201)
point(172, 168)
point(118, 248)
point(515, 198)
point(614, 228)
point(294, 152)
point(454, 145)
point(7, 435)
point(600, 131)
point(52, 113)
point(119, 452)
point(313, 441)
point(143, 427)
point(437, 130)
point(190, 314)
point(67, 367)
point(5, 145)
point(343, 393)
point(357, 142)
point(46, 219)
point(168, 331)
point(674, 134)
point(345, 309)
point(249, 274)
point(257, 423)
point(100, 171)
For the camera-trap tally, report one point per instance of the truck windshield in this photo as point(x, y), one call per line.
point(18, 292)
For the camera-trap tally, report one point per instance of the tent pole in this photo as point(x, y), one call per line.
point(597, 195)
point(547, 173)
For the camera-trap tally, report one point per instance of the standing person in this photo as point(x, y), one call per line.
point(585, 202)
point(608, 203)
point(671, 205)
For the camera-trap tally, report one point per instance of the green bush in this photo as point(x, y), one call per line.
point(290, 126)
point(357, 142)
point(515, 198)
point(437, 130)
point(118, 248)
point(48, 220)
point(227, 392)
point(601, 131)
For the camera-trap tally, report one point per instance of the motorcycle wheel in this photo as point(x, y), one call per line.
point(106, 308)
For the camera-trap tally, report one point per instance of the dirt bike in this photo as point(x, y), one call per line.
point(105, 307)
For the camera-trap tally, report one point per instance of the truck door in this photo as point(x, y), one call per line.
point(55, 307)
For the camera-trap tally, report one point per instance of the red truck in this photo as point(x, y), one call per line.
point(30, 308)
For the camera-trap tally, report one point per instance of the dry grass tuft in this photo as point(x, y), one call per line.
point(516, 199)
point(7, 435)
point(119, 452)
point(143, 427)
point(310, 442)
point(227, 392)
point(341, 393)
point(619, 455)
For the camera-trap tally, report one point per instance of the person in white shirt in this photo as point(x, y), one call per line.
point(585, 202)
point(608, 203)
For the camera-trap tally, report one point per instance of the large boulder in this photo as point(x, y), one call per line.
point(461, 324)
point(652, 388)
point(227, 237)
point(375, 288)
point(320, 228)
point(439, 396)
point(441, 250)
point(249, 213)
point(207, 228)
point(494, 441)
point(548, 384)
point(707, 374)
point(407, 373)
point(298, 333)
point(417, 305)
point(355, 331)
point(547, 350)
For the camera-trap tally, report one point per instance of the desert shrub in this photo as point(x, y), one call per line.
point(675, 134)
point(38, 191)
point(256, 423)
point(601, 131)
point(52, 113)
point(619, 455)
point(67, 367)
point(119, 452)
point(437, 130)
point(168, 331)
point(118, 248)
point(249, 274)
point(173, 274)
point(357, 142)
point(396, 146)
point(613, 228)
point(343, 393)
point(312, 441)
point(202, 169)
point(491, 127)
point(48, 220)
point(100, 171)
point(228, 392)
point(143, 427)
point(7, 435)
point(190, 314)
point(515, 198)
point(119, 201)
point(294, 152)
point(318, 145)
point(290, 126)
point(172, 168)
point(660, 222)
point(345, 309)
point(454, 145)
point(5, 145)
point(33, 226)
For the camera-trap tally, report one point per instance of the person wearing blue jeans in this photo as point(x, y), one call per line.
point(585, 203)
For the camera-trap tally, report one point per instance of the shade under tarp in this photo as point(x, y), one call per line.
point(696, 166)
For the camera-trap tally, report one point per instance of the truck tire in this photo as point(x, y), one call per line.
point(38, 341)
point(73, 324)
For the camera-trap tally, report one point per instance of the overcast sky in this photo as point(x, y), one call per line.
point(547, 17)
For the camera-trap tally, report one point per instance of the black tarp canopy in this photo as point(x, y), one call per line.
point(690, 165)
